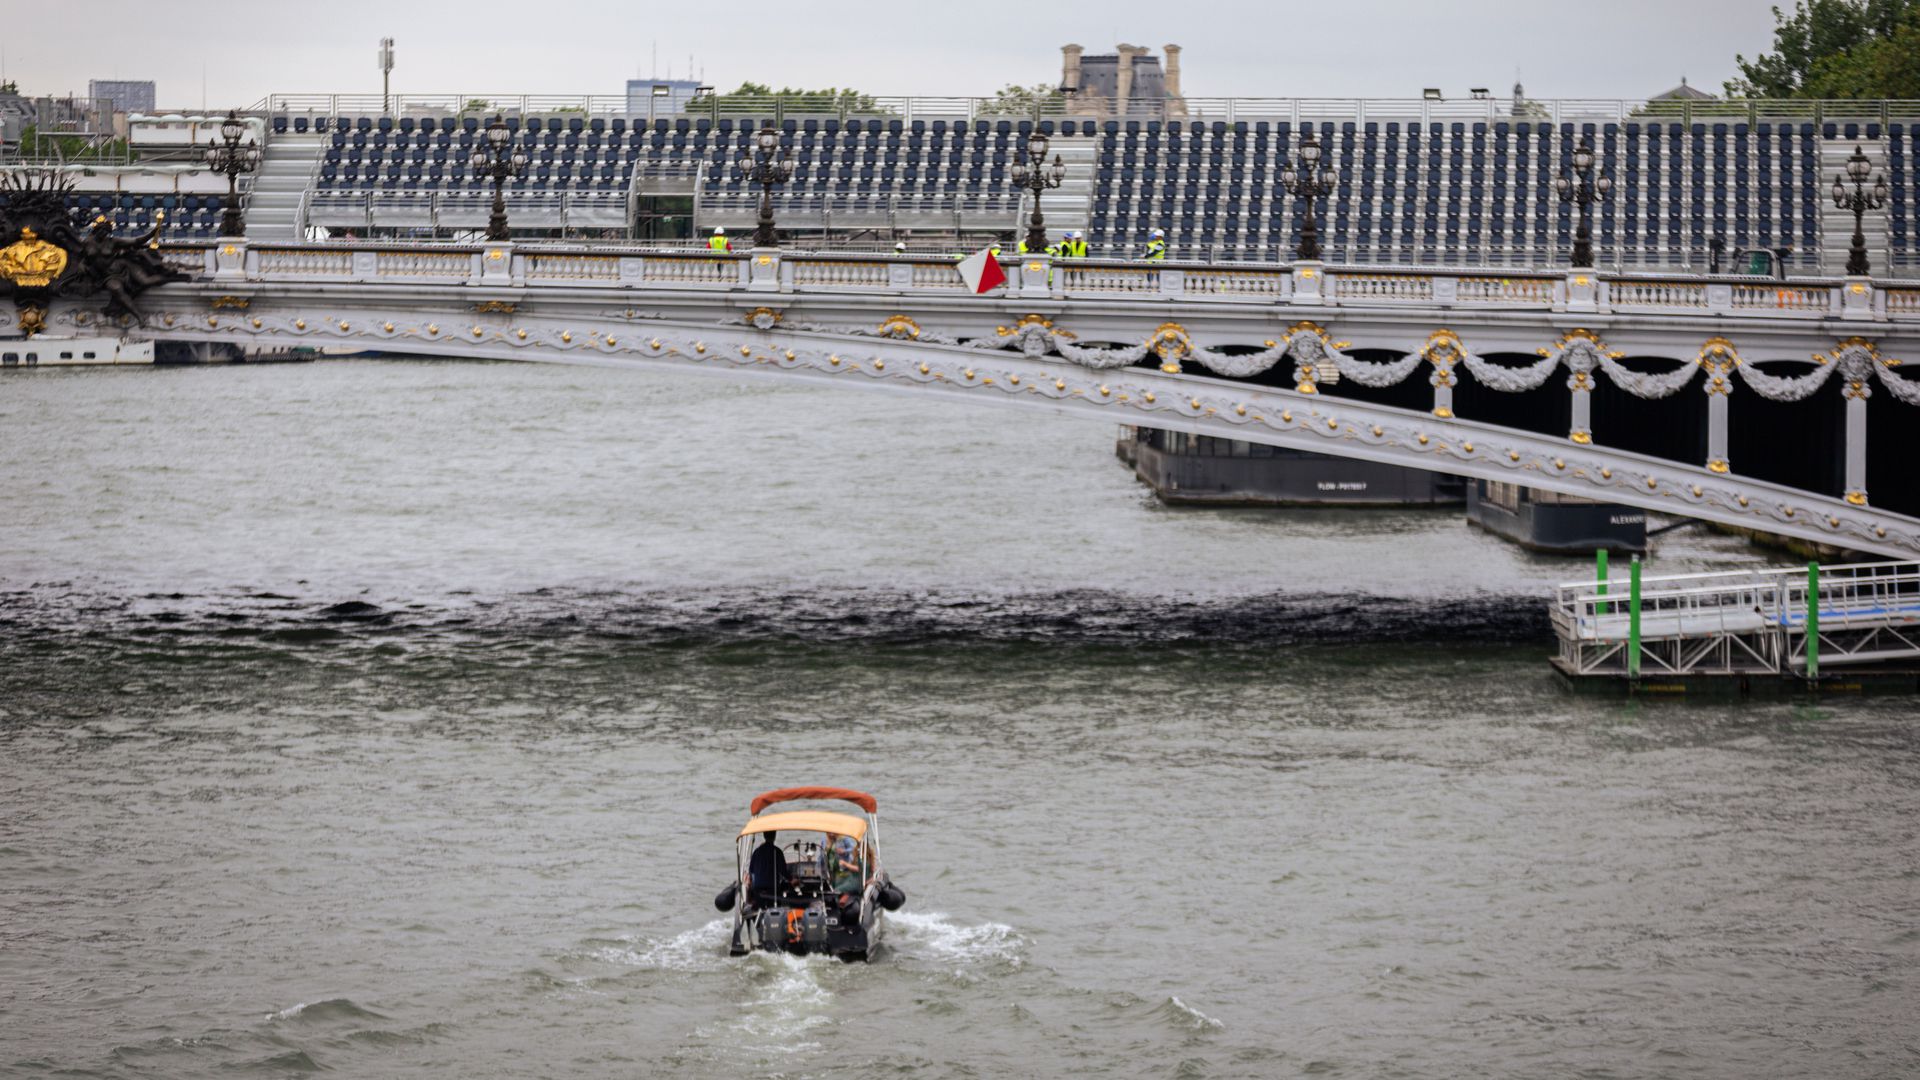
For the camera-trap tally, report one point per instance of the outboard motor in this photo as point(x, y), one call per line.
point(813, 928)
point(796, 930)
point(772, 928)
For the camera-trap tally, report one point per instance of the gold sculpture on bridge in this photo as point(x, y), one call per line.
point(30, 262)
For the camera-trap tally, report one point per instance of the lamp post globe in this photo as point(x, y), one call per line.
point(1032, 174)
point(1582, 189)
point(228, 157)
point(1859, 200)
point(1308, 181)
point(496, 159)
point(759, 166)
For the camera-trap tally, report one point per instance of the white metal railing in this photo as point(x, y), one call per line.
point(461, 209)
point(1741, 620)
point(1209, 109)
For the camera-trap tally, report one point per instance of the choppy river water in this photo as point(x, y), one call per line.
point(393, 718)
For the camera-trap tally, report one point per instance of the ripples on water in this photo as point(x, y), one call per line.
point(392, 720)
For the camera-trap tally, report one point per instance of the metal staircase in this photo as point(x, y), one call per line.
point(280, 188)
point(1070, 206)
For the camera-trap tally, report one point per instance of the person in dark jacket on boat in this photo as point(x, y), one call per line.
point(766, 872)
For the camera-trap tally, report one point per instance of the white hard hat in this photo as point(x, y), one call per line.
point(1159, 234)
point(719, 230)
point(899, 245)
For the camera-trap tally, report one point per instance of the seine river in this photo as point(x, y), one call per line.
point(393, 719)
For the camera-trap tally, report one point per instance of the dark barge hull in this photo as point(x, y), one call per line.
point(1560, 527)
point(1198, 470)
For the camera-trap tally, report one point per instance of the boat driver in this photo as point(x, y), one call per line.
point(766, 872)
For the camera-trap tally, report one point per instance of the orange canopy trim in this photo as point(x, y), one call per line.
point(859, 798)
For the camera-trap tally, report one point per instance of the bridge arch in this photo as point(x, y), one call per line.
point(1030, 363)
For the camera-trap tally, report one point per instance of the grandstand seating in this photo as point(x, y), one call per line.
point(1460, 192)
point(1463, 193)
point(1454, 192)
point(188, 217)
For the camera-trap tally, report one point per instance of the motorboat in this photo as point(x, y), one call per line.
point(809, 881)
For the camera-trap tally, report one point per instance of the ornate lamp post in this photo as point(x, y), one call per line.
point(1859, 200)
point(1583, 189)
point(759, 167)
point(1037, 178)
point(1310, 181)
point(229, 158)
point(500, 161)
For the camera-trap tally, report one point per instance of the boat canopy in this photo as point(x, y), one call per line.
point(808, 821)
point(859, 798)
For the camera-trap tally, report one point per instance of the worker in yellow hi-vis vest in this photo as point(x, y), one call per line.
point(1156, 246)
point(718, 241)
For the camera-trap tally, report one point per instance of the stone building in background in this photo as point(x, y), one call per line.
point(1126, 82)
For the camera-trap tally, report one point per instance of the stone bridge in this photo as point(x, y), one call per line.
point(1566, 381)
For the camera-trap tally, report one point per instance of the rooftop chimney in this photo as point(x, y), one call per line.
point(1070, 66)
point(1176, 100)
point(1123, 77)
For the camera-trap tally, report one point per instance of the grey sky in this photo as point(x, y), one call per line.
point(1248, 48)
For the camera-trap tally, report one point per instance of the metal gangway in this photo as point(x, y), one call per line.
point(1739, 622)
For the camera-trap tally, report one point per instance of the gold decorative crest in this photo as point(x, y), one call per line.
point(500, 307)
point(1171, 343)
point(895, 326)
point(30, 262)
point(1040, 321)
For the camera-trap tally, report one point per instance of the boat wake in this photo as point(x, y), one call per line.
point(933, 936)
point(790, 1001)
point(703, 948)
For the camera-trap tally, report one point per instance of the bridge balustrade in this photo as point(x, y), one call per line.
point(623, 265)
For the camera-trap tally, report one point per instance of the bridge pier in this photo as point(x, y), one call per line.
point(1856, 393)
point(1717, 388)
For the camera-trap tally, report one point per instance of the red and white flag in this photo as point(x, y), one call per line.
point(981, 271)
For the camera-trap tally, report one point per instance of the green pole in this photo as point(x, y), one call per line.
point(1633, 619)
point(1600, 575)
point(1813, 620)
